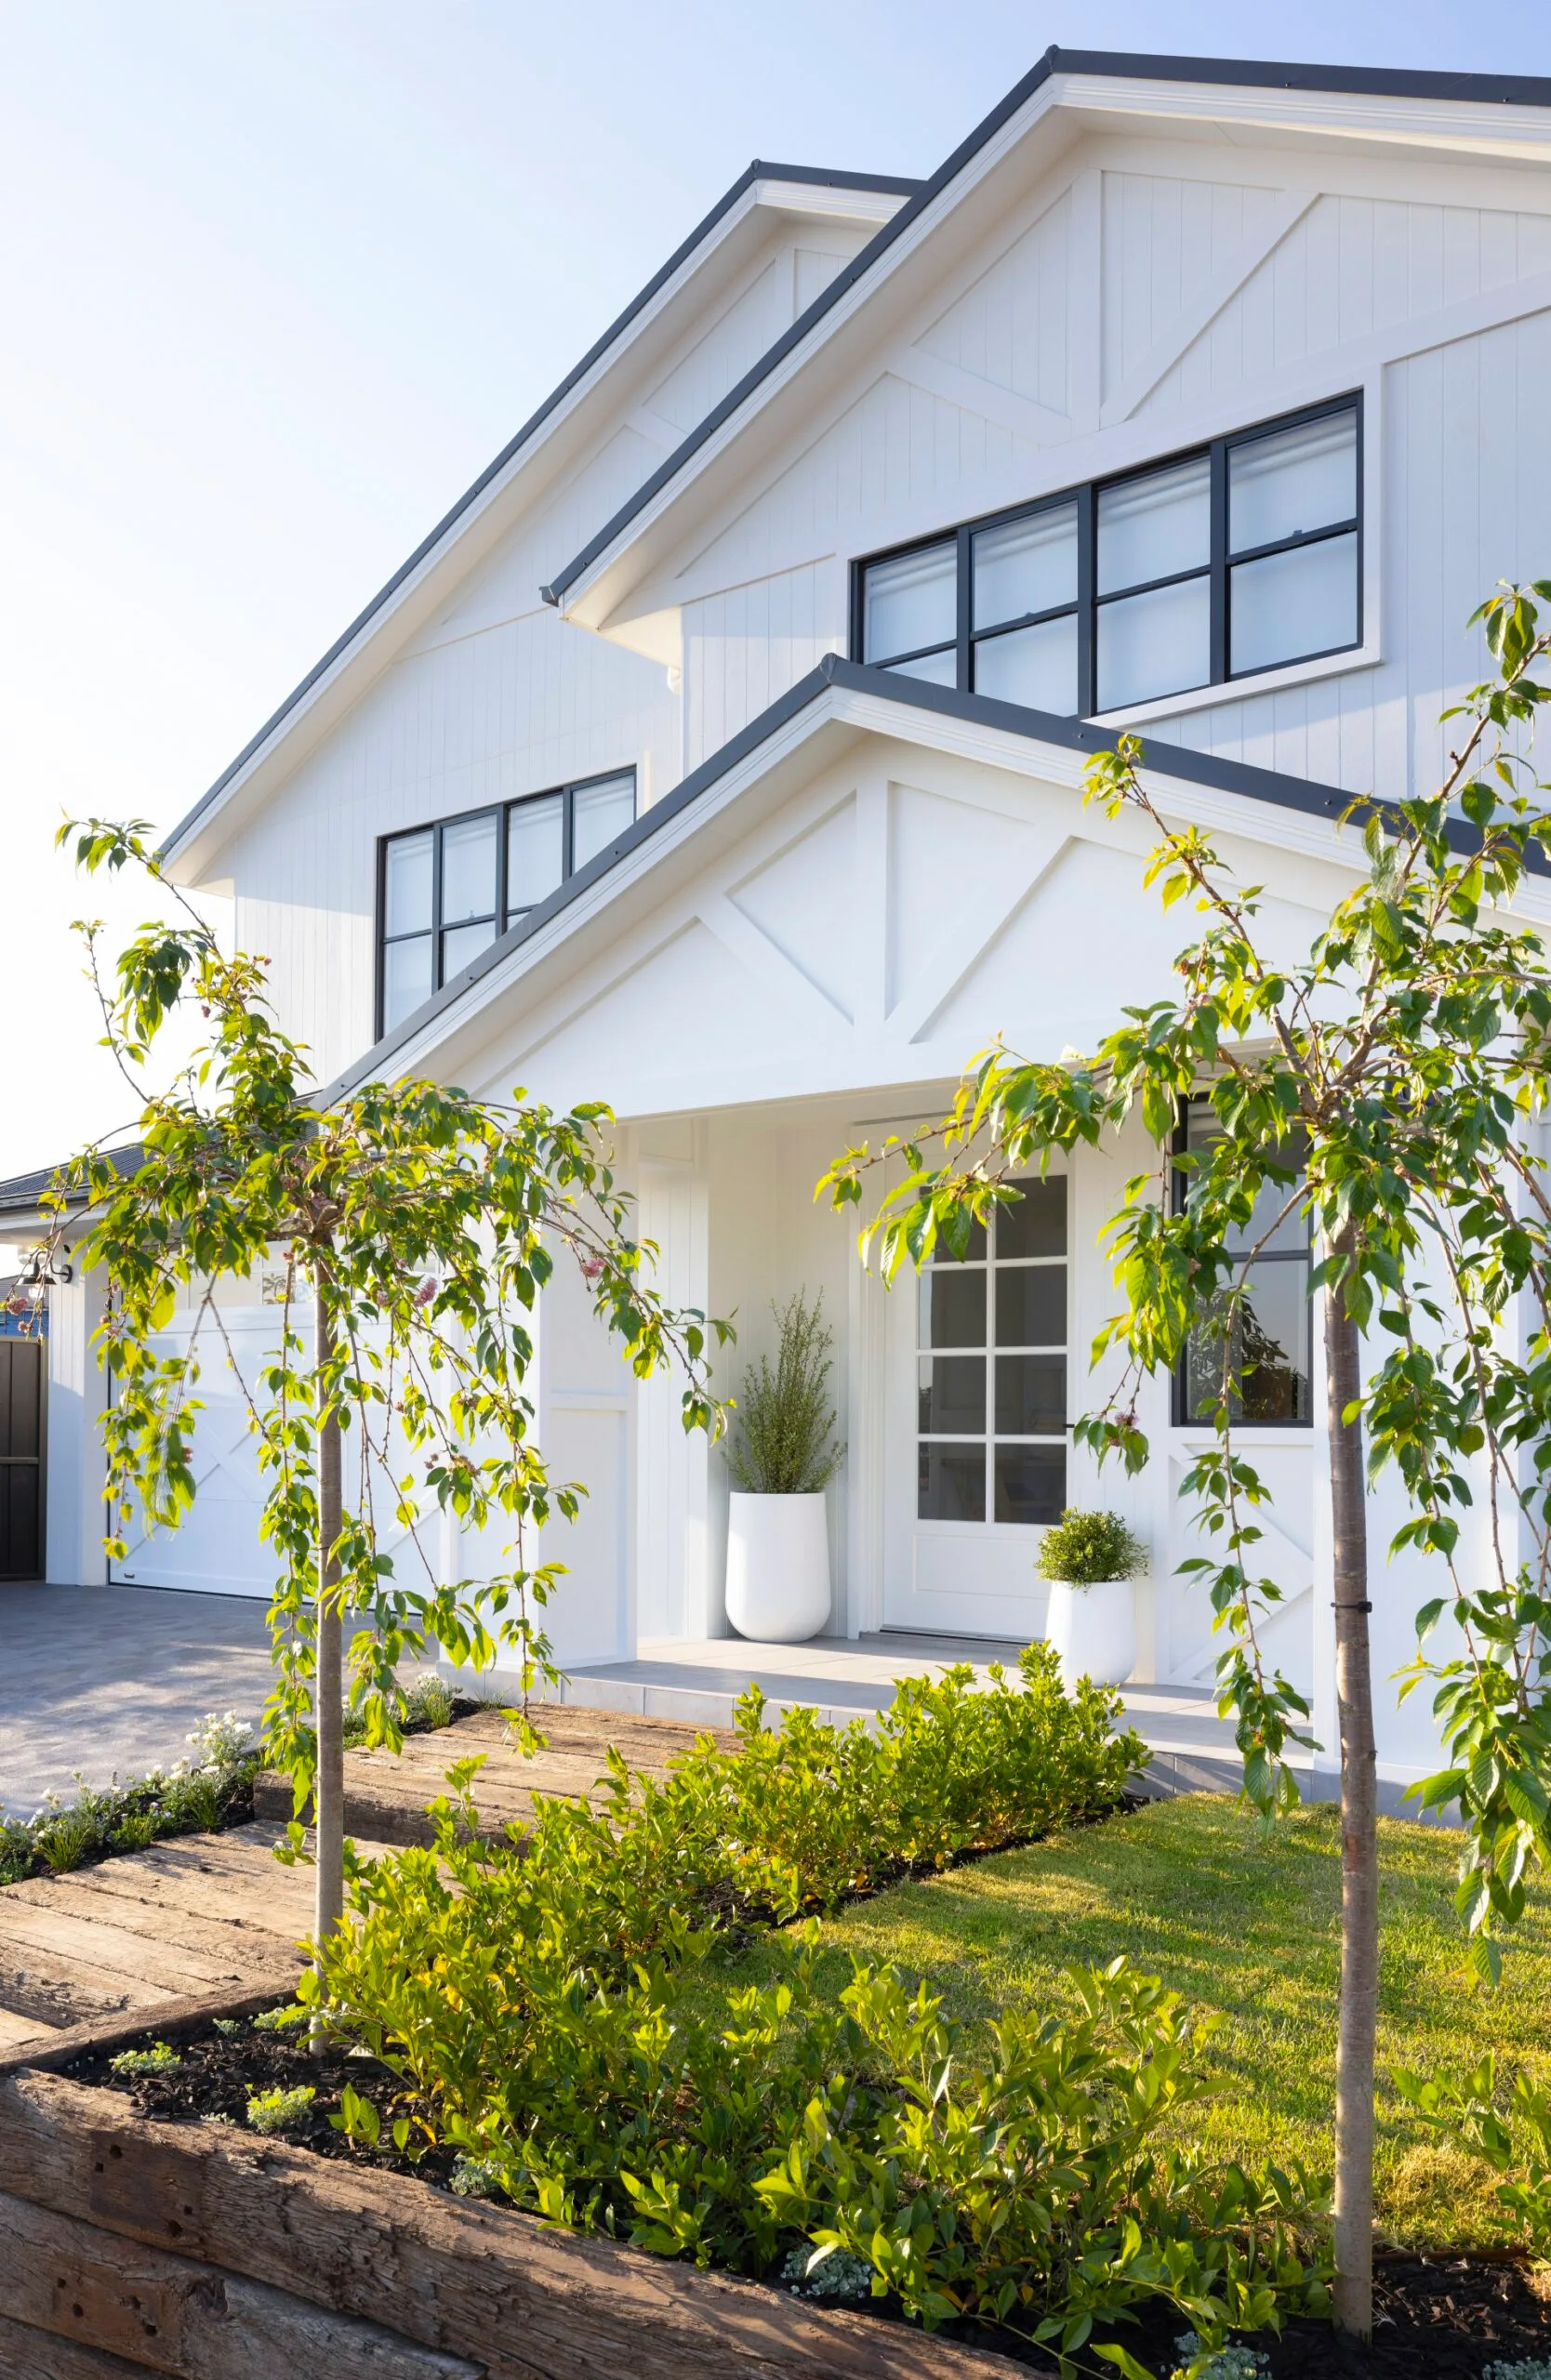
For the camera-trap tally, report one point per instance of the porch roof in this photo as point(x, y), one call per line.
point(841, 691)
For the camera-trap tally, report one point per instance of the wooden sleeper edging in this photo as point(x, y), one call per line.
point(452, 2278)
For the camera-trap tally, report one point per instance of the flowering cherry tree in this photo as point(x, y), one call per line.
point(1387, 1088)
point(409, 1231)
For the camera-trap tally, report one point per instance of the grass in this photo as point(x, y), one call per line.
point(1191, 1890)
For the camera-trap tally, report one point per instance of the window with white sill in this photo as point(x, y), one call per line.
point(1241, 556)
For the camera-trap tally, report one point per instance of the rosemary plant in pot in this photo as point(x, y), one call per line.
point(1090, 1559)
point(782, 1457)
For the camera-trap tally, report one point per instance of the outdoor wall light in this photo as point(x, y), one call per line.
point(45, 1273)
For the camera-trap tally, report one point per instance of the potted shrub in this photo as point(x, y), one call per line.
point(1090, 1559)
point(783, 1455)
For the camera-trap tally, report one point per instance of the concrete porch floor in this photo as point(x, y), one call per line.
point(699, 1679)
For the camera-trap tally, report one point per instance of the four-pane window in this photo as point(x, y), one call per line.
point(449, 890)
point(1243, 556)
point(991, 1369)
point(1257, 1347)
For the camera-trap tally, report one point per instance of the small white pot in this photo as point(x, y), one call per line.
point(778, 1567)
point(1094, 1630)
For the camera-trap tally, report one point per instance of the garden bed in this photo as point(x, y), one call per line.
point(405, 2266)
point(205, 2252)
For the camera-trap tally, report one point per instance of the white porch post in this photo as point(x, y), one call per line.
point(676, 1594)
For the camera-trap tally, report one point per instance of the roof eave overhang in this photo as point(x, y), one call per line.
point(486, 509)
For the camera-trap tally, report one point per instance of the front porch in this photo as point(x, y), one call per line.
point(699, 1680)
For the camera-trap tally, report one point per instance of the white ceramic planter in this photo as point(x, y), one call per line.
point(1094, 1631)
point(778, 1567)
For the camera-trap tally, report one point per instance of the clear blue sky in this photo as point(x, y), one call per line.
point(279, 276)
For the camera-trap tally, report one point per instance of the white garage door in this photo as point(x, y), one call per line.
point(216, 1549)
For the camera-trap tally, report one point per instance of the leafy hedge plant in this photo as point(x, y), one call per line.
point(213, 1788)
point(557, 2016)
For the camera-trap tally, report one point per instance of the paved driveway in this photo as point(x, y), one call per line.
point(106, 1678)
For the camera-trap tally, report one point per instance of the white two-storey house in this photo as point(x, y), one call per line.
point(719, 755)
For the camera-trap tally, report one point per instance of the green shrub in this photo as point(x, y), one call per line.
point(159, 2059)
point(808, 1813)
point(279, 2111)
point(1086, 1549)
point(783, 1438)
point(558, 2018)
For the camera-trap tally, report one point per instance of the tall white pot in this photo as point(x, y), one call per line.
point(1094, 1631)
point(778, 1567)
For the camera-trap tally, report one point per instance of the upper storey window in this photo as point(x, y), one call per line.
point(1243, 556)
point(448, 890)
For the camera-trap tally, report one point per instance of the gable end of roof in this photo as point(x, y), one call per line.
point(1509, 90)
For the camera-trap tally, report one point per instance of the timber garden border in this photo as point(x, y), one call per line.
point(205, 2252)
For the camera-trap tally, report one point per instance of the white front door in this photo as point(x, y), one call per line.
point(976, 1428)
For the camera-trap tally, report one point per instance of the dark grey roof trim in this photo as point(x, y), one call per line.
point(760, 169)
point(1513, 90)
point(852, 677)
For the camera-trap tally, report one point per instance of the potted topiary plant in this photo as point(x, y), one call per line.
point(782, 1456)
point(1090, 1559)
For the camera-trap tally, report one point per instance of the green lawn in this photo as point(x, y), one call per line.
point(1191, 1890)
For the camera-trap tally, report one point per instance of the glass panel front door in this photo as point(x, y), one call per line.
point(985, 1421)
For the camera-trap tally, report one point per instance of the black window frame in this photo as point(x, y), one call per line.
point(501, 917)
point(1180, 1414)
point(1089, 602)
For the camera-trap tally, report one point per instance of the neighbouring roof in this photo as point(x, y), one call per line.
point(20, 1194)
point(1515, 90)
point(760, 169)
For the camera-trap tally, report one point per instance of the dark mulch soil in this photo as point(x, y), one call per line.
point(1439, 2317)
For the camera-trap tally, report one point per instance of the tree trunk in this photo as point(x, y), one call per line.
point(329, 1789)
point(1360, 1838)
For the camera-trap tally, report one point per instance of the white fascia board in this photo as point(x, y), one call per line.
point(826, 201)
point(468, 535)
point(1476, 127)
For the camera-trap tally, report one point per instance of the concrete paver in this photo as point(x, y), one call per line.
point(114, 1678)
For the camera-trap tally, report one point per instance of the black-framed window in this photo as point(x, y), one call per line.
point(446, 889)
point(991, 1369)
point(1267, 1347)
point(1242, 555)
